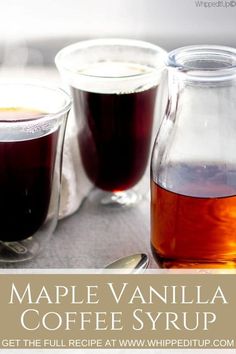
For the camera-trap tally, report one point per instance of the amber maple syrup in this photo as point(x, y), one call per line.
point(193, 217)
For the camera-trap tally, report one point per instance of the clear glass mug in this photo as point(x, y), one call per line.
point(193, 171)
point(114, 84)
point(32, 126)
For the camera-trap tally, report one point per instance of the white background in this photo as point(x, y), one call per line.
point(169, 23)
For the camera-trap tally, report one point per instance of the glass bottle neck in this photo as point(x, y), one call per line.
point(205, 65)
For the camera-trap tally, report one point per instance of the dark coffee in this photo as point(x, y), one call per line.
point(26, 172)
point(115, 135)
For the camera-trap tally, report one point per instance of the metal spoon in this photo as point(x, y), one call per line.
point(135, 263)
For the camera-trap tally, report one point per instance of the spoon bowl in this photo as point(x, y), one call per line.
point(135, 263)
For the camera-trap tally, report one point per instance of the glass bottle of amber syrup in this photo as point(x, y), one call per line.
point(193, 171)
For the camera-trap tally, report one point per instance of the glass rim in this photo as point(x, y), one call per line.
point(45, 116)
point(65, 52)
point(181, 58)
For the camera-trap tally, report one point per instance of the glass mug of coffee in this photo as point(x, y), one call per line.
point(114, 86)
point(32, 126)
point(193, 182)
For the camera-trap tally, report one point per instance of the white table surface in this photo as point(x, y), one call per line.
point(94, 236)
